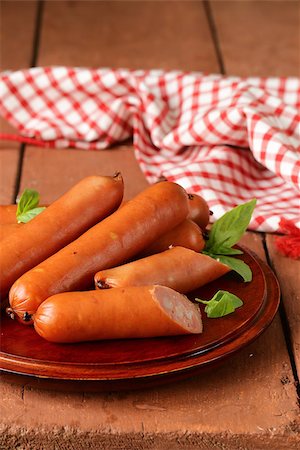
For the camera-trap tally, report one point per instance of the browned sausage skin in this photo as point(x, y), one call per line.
point(8, 229)
point(111, 242)
point(179, 268)
point(85, 204)
point(8, 214)
point(199, 210)
point(8, 220)
point(187, 234)
point(132, 312)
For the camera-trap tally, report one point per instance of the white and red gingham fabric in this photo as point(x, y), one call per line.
point(229, 139)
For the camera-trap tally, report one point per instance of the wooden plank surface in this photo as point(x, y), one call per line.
point(42, 169)
point(17, 32)
point(288, 273)
point(132, 34)
point(8, 172)
point(258, 38)
point(16, 39)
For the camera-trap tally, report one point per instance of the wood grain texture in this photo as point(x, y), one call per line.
point(66, 438)
point(288, 273)
point(258, 38)
point(16, 39)
point(43, 169)
point(8, 171)
point(17, 32)
point(132, 34)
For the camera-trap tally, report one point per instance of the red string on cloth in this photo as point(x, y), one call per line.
point(229, 139)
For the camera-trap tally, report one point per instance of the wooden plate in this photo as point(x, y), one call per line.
point(130, 364)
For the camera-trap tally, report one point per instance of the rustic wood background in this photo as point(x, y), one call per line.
point(251, 401)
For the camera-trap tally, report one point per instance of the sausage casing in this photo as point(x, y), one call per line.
point(187, 234)
point(85, 204)
point(111, 242)
point(178, 268)
point(132, 312)
point(8, 229)
point(8, 214)
point(199, 210)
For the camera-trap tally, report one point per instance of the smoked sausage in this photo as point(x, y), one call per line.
point(85, 204)
point(199, 210)
point(187, 234)
point(132, 312)
point(8, 220)
point(8, 229)
point(111, 242)
point(178, 268)
point(8, 214)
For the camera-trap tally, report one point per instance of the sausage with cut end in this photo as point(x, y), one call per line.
point(187, 234)
point(85, 204)
point(132, 312)
point(109, 243)
point(178, 268)
point(199, 210)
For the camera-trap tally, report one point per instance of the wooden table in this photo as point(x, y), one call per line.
point(251, 401)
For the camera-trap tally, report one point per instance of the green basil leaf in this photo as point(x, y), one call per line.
point(28, 215)
point(237, 265)
point(219, 309)
point(228, 230)
point(230, 251)
point(28, 200)
point(222, 304)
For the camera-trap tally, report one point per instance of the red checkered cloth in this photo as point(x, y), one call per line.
point(229, 139)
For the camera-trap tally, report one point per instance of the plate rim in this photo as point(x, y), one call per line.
point(187, 361)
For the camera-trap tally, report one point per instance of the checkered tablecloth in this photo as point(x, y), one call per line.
point(229, 139)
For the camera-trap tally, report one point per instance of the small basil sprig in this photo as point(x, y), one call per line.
point(222, 303)
point(28, 206)
point(225, 233)
point(237, 265)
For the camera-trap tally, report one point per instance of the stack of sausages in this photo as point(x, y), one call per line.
point(50, 265)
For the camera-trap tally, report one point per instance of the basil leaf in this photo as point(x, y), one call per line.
point(230, 251)
point(28, 206)
point(222, 304)
point(237, 265)
point(28, 200)
point(27, 216)
point(228, 230)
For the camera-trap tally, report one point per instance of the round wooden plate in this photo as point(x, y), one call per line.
point(130, 364)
